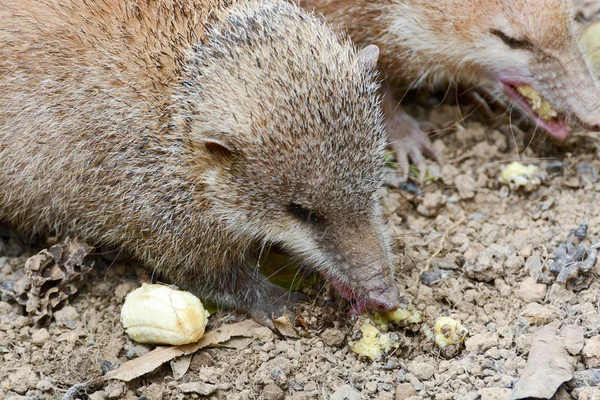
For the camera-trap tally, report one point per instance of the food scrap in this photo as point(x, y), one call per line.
point(517, 175)
point(397, 317)
point(540, 106)
point(159, 314)
point(372, 343)
point(449, 332)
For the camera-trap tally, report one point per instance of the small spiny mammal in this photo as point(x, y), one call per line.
point(494, 44)
point(194, 134)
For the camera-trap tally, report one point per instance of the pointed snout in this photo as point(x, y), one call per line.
point(387, 300)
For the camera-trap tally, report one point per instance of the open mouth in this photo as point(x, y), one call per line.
point(536, 108)
point(358, 307)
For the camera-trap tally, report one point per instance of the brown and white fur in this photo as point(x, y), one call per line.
point(494, 44)
point(193, 134)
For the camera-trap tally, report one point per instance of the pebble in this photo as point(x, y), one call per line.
point(137, 351)
point(115, 390)
point(481, 342)
point(422, 370)
point(345, 392)
point(67, 316)
point(21, 380)
point(99, 395)
point(123, 290)
point(277, 370)
point(586, 378)
point(404, 391)
point(273, 392)
point(538, 314)
point(530, 291)
point(44, 385)
point(591, 352)
point(154, 392)
point(333, 337)
point(40, 336)
point(494, 394)
point(201, 388)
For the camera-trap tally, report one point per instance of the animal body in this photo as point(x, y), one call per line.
point(497, 45)
point(193, 134)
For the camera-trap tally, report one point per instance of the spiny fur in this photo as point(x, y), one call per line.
point(435, 43)
point(109, 110)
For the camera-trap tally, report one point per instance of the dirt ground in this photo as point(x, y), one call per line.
point(468, 247)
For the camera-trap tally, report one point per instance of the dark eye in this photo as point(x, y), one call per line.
point(303, 214)
point(513, 43)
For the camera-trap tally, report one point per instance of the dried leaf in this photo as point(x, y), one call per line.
point(180, 366)
point(160, 355)
point(550, 362)
point(150, 361)
point(285, 327)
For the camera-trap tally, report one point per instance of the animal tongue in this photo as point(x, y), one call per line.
point(556, 127)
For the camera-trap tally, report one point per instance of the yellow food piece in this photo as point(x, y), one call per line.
point(448, 332)
point(159, 314)
point(517, 174)
point(537, 103)
point(410, 316)
point(589, 43)
point(373, 343)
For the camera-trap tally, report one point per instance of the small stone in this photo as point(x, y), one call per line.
point(591, 352)
point(538, 314)
point(345, 392)
point(276, 370)
point(481, 342)
point(44, 385)
point(586, 378)
point(422, 370)
point(333, 337)
point(115, 390)
point(531, 291)
point(371, 387)
point(40, 336)
point(494, 394)
point(137, 351)
point(67, 316)
point(99, 395)
point(404, 391)
point(22, 380)
point(20, 322)
point(273, 392)
point(466, 186)
point(154, 392)
point(201, 388)
point(123, 290)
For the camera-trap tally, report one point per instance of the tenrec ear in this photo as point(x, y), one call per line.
point(218, 147)
point(367, 57)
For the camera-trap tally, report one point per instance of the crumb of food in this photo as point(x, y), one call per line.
point(159, 314)
point(397, 317)
point(517, 175)
point(373, 344)
point(540, 106)
point(590, 45)
point(449, 332)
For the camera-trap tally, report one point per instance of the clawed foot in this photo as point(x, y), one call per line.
point(277, 305)
point(406, 139)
